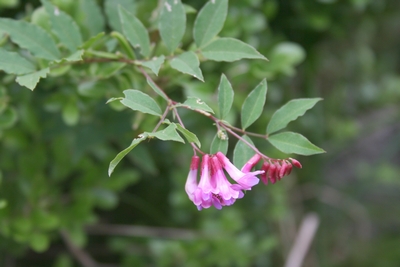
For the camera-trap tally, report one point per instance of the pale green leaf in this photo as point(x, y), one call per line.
point(74, 57)
point(111, 10)
point(134, 31)
point(219, 143)
point(191, 137)
point(289, 142)
point(30, 80)
point(91, 16)
point(253, 105)
point(242, 152)
point(156, 89)
point(172, 23)
point(225, 97)
point(209, 21)
point(229, 49)
point(63, 26)
point(31, 37)
point(189, 9)
point(188, 63)
point(196, 104)
point(92, 41)
point(290, 112)
point(137, 100)
point(167, 134)
point(13, 63)
point(123, 153)
point(154, 64)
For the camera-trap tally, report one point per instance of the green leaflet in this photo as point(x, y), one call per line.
point(242, 152)
point(30, 80)
point(31, 37)
point(188, 63)
point(253, 105)
point(196, 104)
point(134, 31)
point(13, 63)
point(111, 10)
point(91, 16)
point(290, 112)
point(209, 21)
point(229, 49)
point(63, 26)
point(191, 137)
point(219, 143)
point(123, 153)
point(154, 64)
point(225, 97)
point(137, 100)
point(289, 142)
point(156, 89)
point(168, 134)
point(172, 23)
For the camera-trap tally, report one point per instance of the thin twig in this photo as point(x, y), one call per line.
point(81, 256)
point(305, 235)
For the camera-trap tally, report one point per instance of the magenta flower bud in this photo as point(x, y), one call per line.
point(296, 163)
point(282, 170)
point(272, 173)
point(191, 182)
point(265, 168)
point(251, 163)
point(289, 169)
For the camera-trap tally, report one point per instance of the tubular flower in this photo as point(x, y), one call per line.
point(245, 180)
point(191, 182)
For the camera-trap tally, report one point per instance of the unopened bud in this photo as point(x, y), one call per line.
point(296, 163)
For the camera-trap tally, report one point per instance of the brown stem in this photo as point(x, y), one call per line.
point(81, 256)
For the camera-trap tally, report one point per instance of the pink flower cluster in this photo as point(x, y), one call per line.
point(214, 189)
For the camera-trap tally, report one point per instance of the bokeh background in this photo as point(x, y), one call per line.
point(59, 208)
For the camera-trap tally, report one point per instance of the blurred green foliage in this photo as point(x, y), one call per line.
point(56, 143)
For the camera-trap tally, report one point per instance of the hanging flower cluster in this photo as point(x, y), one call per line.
point(214, 189)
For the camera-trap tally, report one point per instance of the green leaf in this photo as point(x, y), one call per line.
point(63, 26)
point(219, 143)
point(172, 23)
point(209, 21)
point(8, 118)
point(70, 113)
point(13, 63)
point(196, 104)
point(92, 40)
point(74, 57)
point(168, 134)
point(134, 31)
point(137, 100)
point(188, 63)
point(229, 49)
point(254, 104)
point(92, 16)
point(111, 9)
point(154, 64)
point(191, 137)
point(31, 37)
point(39, 242)
point(290, 112)
point(156, 89)
point(225, 97)
point(242, 152)
point(105, 71)
point(30, 80)
point(123, 153)
point(289, 142)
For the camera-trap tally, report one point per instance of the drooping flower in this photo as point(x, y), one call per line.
point(191, 181)
point(245, 180)
point(251, 163)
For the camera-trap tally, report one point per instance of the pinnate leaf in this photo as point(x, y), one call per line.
point(124, 152)
point(172, 23)
point(290, 112)
point(254, 104)
point(31, 37)
point(289, 142)
point(225, 97)
point(63, 26)
point(13, 63)
point(134, 31)
point(188, 63)
point(242, 152)
point(137, 100)
point(209, 21)
point(229, 49)
point(30, 80)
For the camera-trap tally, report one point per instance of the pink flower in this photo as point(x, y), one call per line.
point(191, 182)
point(245, 180)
